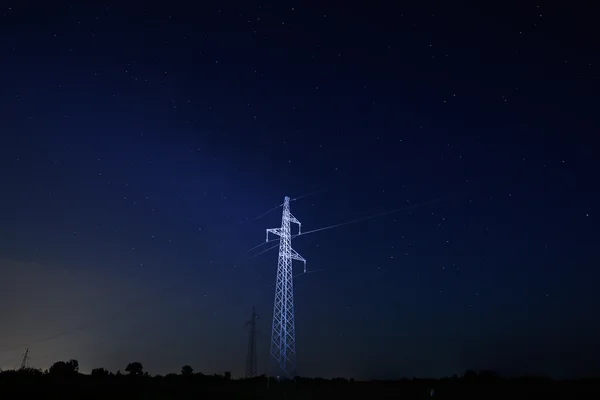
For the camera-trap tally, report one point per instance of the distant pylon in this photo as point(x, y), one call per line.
point(251, 356)
point(24, 363)
point(283, 334)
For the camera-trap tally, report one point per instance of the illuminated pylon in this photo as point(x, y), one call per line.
point(251, 356)
point(283, 334)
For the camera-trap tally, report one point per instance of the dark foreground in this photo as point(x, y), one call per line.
point(102, 385)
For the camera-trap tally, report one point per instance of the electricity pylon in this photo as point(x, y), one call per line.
point(251, 356)
point(283, 333)
point(24, 363)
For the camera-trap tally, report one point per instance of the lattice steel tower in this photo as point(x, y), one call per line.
point(283, 334)
point(25, 362)
point(251, 356)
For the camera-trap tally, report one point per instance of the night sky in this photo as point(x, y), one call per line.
point(139, 141)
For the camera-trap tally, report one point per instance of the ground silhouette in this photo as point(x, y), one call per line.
point(63, 380)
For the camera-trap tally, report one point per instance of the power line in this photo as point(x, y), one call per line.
point(381, 214)
point(45, 339)
point(121, 312)
point(307, 194)
point(276, 207)
point(353, 221)
point(265, 213)
point(264, 251)
point(259, 245)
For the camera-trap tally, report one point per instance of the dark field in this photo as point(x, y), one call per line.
point(65, 383)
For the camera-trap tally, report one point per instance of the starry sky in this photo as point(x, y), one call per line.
point(140, 141)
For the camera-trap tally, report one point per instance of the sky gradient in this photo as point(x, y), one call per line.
point(140, 141)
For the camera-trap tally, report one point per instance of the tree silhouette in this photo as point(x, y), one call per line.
point(488, 375)
point(187, 370)
point(61, 368)
point(99, 372)
point(73, 365)
point(29, 371)
point(31, 383)
point(470, 374)
point(135, 369)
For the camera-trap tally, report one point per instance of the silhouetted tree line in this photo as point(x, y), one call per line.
point(64, 379)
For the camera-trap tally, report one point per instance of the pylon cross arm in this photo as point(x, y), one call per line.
point(293, 219)
point(295, 256)
point(274, 231)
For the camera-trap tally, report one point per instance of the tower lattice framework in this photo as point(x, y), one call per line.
point(283, 334)
point(251, 356)
point(25, 362)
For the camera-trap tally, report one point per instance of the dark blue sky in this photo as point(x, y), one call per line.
point(139, 141)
